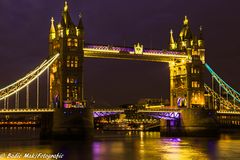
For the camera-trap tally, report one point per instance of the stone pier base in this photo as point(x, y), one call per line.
point(192, 122)
point(72, 123)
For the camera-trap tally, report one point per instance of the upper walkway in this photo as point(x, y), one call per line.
point(135, 53)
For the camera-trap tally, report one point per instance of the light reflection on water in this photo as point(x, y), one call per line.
point(122, 145)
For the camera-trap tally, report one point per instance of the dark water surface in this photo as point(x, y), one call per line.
point(19, 142)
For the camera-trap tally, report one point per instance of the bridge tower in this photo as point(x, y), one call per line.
point(186, 76)
point(66, 75)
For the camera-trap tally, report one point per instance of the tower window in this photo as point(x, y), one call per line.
point(69, 42)
point(56, 46)
point(61, 33)
point(76, 62)
point(72, 42)
point(195, 84)
point(72, 61)
point(68, 61)
point(195, 52)
point(75, 42)
point(195, 70)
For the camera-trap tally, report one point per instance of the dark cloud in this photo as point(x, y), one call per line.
point(24, 27)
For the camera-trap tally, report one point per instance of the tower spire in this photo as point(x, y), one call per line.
point(66, 19)
point(200, 33)
point(185, 21)
point(172, 44)
point(200, 38)
point(65, 6)
point(185, 36)
point(80, 23)
point(52, 30)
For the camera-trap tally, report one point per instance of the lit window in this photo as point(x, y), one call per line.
point(184, 44)
point(195, 52)
point(68, 61)
point(61, 33)
point(195, 84)
point(75, 42)
point(195, 70)
point(69, 42)
point(76, 61)
point(71, 80)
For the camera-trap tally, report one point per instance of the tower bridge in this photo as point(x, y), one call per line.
point(65, 89)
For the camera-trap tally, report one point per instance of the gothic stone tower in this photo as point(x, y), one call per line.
point(186, 76)
point(65, 75)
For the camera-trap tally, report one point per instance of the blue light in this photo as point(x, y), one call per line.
point(219, 80)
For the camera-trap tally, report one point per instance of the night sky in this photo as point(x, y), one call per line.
point(24, 29)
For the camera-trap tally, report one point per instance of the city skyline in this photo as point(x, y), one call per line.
point(25, 42)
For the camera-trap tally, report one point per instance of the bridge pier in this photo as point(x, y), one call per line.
point(72, 123)
point(46, 125)
point(192, 122)
point(228, 120)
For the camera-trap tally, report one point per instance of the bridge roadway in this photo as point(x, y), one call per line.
point(112, 52)
point(225, 118)
point(44, 110)
point(115, 110)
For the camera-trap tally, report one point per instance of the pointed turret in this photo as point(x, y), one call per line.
point(52, 34)
point(185, 39)
point(185, 31)
point(80, 23)
point(65, 8)
point(172, 44)
point(200, 33)
point(80, 28)
point(200, 38)
point(66, 21)
point(185, 21)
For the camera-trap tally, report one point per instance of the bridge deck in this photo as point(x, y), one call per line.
point(26, 110)
point(103, 51)
point(159, 110)
point(228, 112)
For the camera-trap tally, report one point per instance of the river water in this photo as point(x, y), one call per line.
point(23, 143)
